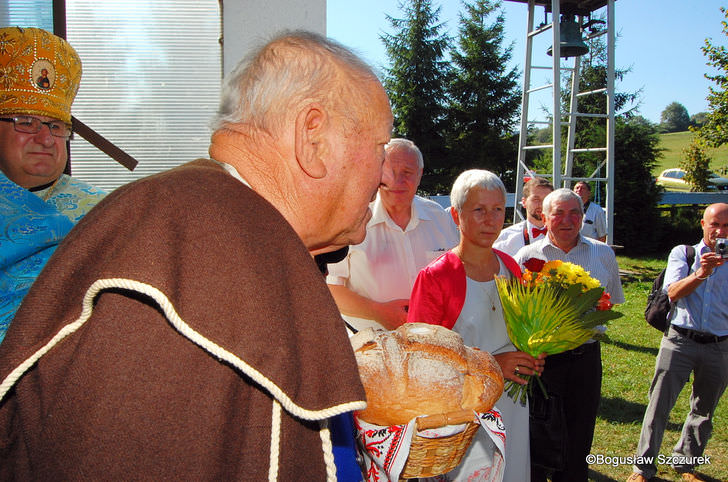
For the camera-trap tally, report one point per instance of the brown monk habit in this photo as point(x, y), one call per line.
point(192, 388)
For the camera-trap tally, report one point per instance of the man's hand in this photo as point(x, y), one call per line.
point(680, 289)
point(389, 314)
point(392, 313)
point(708, 262)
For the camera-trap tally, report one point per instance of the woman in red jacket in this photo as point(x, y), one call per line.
point(458, 291)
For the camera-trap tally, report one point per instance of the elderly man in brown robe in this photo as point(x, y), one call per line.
point(182, 330)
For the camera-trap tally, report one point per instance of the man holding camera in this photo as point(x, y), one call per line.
point(697, 342)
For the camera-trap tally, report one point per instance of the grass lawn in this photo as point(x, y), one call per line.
point(628, 358)
point(673, 145)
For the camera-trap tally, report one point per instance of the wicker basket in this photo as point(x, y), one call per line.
point(429, 457)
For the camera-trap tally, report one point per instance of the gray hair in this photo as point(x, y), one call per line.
point(470, 179)
point(407, 145)
point(562, 194)
point(292, 68)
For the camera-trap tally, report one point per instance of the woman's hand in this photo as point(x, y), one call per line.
point(515, 363)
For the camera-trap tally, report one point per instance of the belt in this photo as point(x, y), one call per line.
point(699, 336)
point(576, 352)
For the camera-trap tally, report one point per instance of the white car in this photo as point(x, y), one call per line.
point(672, 180)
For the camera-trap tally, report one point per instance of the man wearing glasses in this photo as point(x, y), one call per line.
point(38, 203)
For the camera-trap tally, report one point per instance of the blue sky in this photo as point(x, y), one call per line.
point(659, 40)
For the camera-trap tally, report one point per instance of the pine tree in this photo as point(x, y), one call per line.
point(484, 95)
point(416, 82)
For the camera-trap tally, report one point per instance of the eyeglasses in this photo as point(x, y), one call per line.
point(32, 125)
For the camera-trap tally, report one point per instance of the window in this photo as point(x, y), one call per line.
point(27, 13)
point(151, 83)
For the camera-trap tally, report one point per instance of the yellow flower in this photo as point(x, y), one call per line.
point(550, 311)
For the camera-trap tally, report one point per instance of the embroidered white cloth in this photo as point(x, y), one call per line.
point(385, 449)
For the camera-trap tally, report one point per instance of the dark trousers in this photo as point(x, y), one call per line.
point(562, 427)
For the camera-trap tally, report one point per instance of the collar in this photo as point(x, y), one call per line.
point(44, 186)
point(701, 248)
point(530, 226)
point(233, 172)
point(546, 240)
point(380, 214)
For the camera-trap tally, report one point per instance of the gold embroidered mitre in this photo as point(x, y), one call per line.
point(39, 73)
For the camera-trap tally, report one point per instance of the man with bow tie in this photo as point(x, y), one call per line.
point(515, 237)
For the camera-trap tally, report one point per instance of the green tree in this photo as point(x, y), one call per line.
point(715, 130)
point(484, 95)
point(637, 222)
point(674, 118)
point(698, 120)
point(591, 132)
point(415, 82)
point(696, 164)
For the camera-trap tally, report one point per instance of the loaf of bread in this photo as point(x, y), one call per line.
point(420, 369)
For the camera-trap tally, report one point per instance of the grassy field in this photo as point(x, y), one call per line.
point(675, 142)
point(628, 360)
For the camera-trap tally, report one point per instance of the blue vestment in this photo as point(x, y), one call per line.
point(32, 227)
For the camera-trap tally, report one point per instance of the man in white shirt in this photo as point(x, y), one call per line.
point(561, 453)
point(595, 219)
point(372, 284)
point(514, 237)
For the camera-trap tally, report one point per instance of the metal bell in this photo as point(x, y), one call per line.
point(571, 43)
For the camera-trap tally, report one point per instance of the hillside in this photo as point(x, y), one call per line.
point(675, 142)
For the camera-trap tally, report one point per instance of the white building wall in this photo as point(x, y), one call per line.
point(250, 23)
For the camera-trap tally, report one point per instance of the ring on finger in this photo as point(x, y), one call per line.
point(516, 371)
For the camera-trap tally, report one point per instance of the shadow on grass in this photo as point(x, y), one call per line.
point(595, 476)
point(619, 410)
point(630, 347)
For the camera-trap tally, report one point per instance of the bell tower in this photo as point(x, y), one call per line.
point(568, 21)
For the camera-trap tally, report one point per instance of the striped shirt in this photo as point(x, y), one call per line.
point(594, 256)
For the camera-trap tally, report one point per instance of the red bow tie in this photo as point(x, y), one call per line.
point(536, 232)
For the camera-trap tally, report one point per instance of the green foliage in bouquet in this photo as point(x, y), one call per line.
point(552, 310)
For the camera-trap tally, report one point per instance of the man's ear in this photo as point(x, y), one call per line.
point(312, 124)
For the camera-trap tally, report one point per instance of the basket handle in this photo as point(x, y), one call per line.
point(442, 419)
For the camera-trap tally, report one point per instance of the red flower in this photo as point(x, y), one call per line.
point(534, 265)
point(604, 304)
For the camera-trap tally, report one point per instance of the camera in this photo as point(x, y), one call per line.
point(721, 247)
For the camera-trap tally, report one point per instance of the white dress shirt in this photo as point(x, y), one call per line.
point(384, 266)
point(594, 224)
point(511, 239)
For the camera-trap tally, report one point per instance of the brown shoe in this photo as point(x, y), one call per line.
point(690, 477)
point(635, 477)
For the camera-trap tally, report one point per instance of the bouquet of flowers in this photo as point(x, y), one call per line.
point(555, 307)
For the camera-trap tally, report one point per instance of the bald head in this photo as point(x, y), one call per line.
point(715, 223)
point(293, 68)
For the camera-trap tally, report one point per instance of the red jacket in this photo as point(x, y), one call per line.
point(438, 295)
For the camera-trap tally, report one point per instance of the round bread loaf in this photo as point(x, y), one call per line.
point(420, 369)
